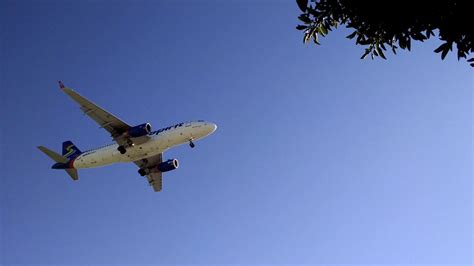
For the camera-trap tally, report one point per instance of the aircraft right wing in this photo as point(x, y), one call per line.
point(154, 178)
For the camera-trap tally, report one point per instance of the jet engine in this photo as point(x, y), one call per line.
point(140, 130)
point(169, 165)
point(166, 166)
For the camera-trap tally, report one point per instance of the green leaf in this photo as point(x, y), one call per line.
point(444, 53)
point(352, 35)
point(302, 4)
point(301, 27)
point(320, 31)
point(444, 49)
point(441, 47)
point(429, 33)
point(313, 12)
point(309, 33)
point(402, 42)
point(367, 51)
point(327, 25)
point(417, 36)
point(461, 53)
point(324, 30)
point(304, 18)
point(315, 38)
point(379, 51)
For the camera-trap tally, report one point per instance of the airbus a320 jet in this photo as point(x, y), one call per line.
point(137, 144)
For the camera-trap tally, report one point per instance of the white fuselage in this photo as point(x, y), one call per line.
point(160, 141)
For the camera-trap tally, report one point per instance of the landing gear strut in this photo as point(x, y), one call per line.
point(121, 149)
point(191, 143)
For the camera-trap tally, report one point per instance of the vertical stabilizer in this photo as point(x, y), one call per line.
point(70, 150)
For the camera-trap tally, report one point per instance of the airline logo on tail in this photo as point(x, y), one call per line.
point(70, 151)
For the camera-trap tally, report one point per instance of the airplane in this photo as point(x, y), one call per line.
point(137, 144)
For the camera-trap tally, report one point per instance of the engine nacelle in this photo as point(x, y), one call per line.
point(140, 130)
point(166, 166)
point(169, 165)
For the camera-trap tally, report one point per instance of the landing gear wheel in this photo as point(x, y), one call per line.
point(191, 143)
point(142, 172)
point(121, 149)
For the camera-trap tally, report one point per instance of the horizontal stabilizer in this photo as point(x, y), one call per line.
point(53, 155)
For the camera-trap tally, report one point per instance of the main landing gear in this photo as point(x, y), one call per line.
point(121, 149)
point(191, 143)
point(142, 172)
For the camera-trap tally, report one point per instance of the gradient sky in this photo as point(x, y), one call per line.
point(319, 157)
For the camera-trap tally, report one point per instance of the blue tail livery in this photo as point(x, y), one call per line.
point(70, 150)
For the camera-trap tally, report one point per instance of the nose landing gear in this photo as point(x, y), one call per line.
point(191, 143)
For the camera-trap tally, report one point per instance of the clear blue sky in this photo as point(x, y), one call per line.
point(319, 157)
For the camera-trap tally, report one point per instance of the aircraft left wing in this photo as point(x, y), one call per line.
point(154, 178)
point(106, 120)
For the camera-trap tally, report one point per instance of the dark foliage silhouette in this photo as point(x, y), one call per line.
point(382, 25)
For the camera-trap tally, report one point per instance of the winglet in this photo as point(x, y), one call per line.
point(61, 84)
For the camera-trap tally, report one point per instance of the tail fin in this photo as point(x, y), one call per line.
point(70, 150)
point(61, 161)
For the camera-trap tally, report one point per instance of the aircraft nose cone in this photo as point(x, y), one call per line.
point(208, 128)
point(213, 127)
